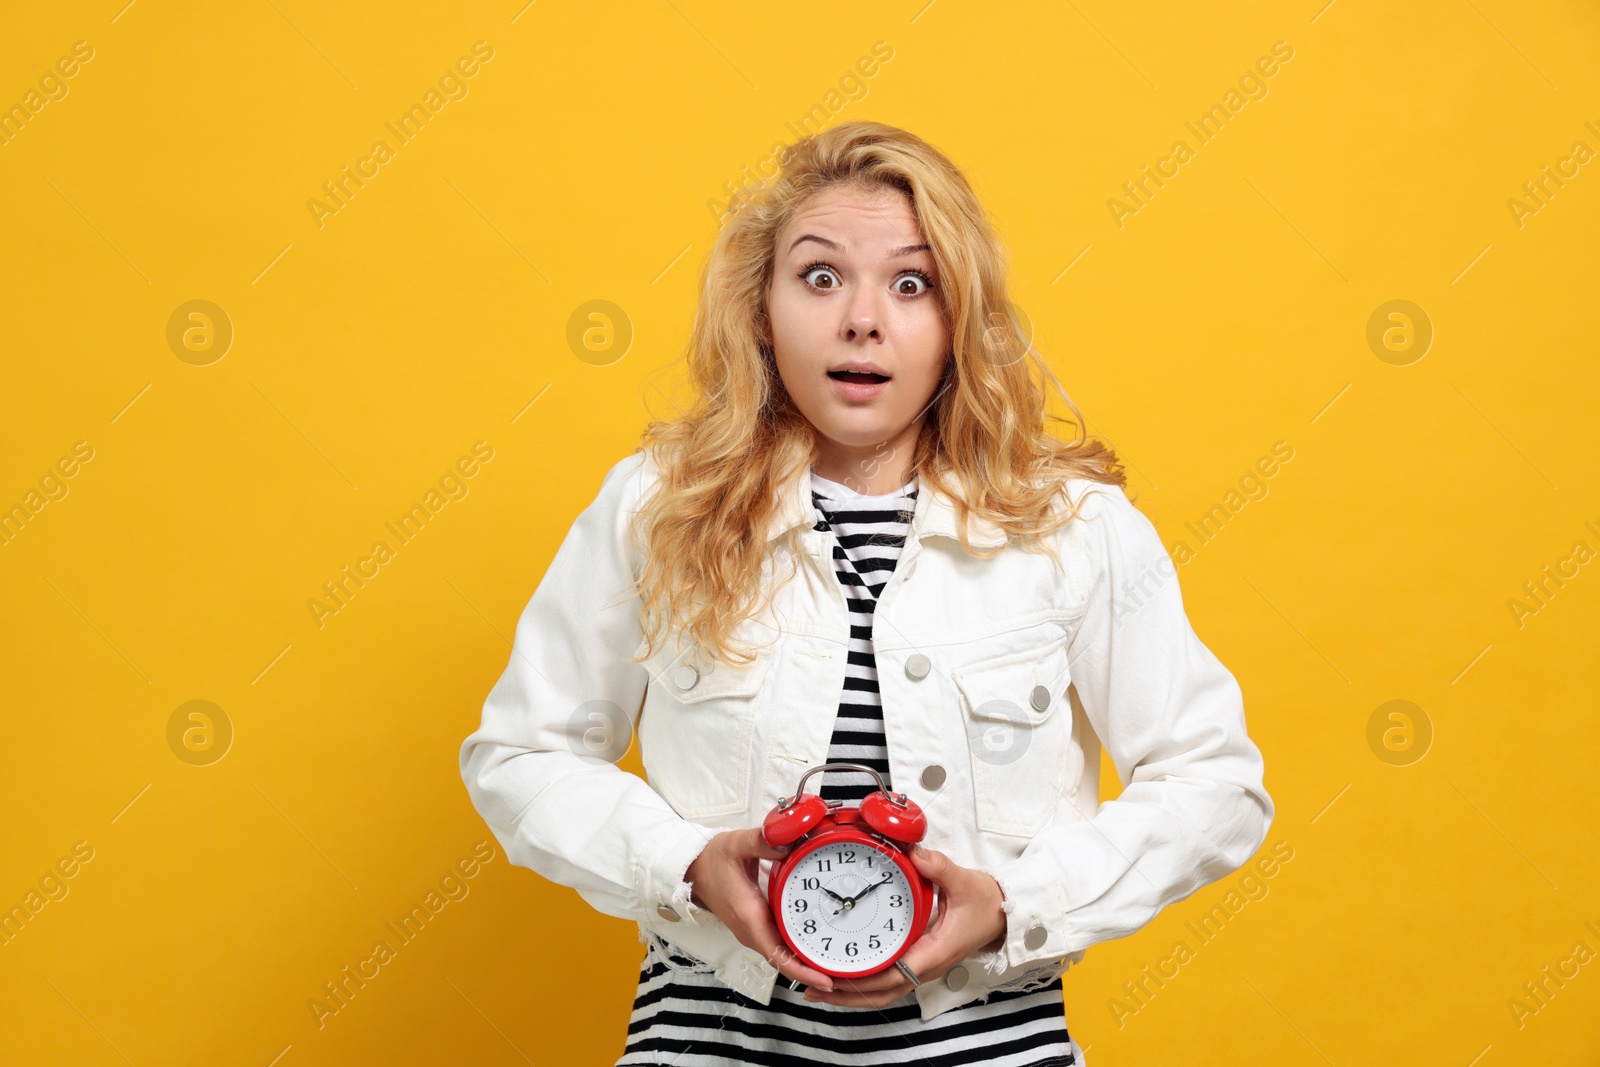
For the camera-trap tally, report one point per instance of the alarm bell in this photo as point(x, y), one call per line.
point(894, 816)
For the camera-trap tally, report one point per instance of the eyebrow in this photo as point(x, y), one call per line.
point(894, 253)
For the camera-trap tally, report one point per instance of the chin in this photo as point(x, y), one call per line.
point(858, 436)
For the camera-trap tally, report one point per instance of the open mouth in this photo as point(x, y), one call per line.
point(857, 376)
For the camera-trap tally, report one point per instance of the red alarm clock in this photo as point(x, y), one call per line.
point(847, 898)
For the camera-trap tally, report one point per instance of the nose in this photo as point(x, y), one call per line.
point(863, 316)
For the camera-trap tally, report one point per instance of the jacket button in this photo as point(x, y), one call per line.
point(918, 666)
point(956, 977)
point(1034, 938)
point(685, 677)
point(667, 912)
point(1039, 698)
point(932, 776)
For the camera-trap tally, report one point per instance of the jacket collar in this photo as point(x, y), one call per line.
point(933, 514)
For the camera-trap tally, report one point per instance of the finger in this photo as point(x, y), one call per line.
point(735, 846)
point(748, 864)
point(759, 847)
point(877, 983)
point(876, 999)
point(934, 865)
point(751, 843)
point(941, 905)
point(926, 960)
point(753, 924)
point(791, 965)
point(761, 934)
point(721, 846)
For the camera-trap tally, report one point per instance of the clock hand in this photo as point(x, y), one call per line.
point(846, 903)
point(867, 890)
point(864, 892)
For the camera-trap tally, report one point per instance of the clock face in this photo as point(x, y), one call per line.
point(847, 906)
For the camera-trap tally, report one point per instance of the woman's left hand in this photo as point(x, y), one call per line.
point(969, 919)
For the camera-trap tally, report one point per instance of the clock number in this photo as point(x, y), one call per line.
point(848, 855)
point(897, 901)
point(827, 941)
point(887, 875)
point(810, 883)
point(872, 941)
point(850, 948)
point(810, 926)
point(824, 865)
point(889, 925)
point(800, 904)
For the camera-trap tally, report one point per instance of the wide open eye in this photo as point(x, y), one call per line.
point(819, 270)
point(925, 283)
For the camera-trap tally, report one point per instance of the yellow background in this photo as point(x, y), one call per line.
point(432, 310)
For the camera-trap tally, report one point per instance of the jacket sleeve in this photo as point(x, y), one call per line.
point(541, 769)
point(1171, 717)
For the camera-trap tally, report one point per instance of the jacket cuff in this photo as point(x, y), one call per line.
point(663, 892)
point(1036, 912)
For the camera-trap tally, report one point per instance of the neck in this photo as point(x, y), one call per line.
point(870, 470)
point(863, 488)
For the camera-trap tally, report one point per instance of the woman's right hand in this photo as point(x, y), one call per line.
point(724, 883)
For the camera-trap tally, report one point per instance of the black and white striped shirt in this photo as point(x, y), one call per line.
point(869, 533)
point(689, 1018)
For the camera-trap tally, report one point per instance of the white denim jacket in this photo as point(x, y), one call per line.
point(1000, 680)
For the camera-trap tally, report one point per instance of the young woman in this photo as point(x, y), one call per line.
point(861, 545)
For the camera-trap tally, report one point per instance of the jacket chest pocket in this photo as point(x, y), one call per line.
point(1019, 733)
point(697, 728)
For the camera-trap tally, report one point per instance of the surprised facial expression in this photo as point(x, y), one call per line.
point(858, 335)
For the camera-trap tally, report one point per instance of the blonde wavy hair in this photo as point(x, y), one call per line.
point(983, 441)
